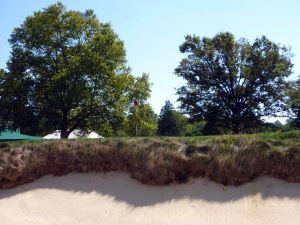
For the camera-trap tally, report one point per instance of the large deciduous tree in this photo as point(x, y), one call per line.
point(232, 84)
point(73, 67)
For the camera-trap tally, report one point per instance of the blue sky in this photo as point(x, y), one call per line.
point(153, 30)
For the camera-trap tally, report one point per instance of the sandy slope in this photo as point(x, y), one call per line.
point(115, 198)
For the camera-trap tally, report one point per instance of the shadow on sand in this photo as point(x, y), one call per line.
point(122, 188)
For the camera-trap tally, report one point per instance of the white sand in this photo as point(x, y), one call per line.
point(115, 198)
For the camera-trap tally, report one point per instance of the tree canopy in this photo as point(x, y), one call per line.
point(127, 117)
point(171, 122)
point(232, 83)
point(67, 70)
point(141, 121)
point(3, 110)
point(293, 102)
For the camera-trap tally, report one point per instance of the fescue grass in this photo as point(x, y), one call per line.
point(227, 159)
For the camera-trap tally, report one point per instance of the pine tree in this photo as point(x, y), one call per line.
point(171, 122)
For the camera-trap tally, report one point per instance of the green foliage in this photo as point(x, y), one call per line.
point(232, 84)
point(293, 102)
point(2, 105)
point(15, 105)
point(141, 121)
point(132, 87)
point(171, 122)
point(122, 123)
point(195, 128)
point(68, 71)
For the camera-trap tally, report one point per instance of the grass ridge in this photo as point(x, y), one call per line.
point(229, 159)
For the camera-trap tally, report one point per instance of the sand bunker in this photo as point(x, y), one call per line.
point(115, 198)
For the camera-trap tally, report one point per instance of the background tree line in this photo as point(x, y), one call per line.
point(67, 71)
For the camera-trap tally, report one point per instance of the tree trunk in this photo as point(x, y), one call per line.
point(64, 133)
point(236, 129)
point(236, 125)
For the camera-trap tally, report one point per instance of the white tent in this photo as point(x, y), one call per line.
point(73, 135)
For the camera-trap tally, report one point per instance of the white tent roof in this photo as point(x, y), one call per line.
point(73, 135)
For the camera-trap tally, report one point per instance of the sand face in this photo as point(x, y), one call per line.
point(115, 198)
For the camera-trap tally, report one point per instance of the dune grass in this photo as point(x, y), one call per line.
point(226, 159)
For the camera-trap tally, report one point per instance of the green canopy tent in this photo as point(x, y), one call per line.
point(15, 136)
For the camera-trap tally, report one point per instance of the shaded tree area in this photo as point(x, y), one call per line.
point(171, 122)
point(15, 108)
point(3, 109)
point(293, 103)
point(232, 84)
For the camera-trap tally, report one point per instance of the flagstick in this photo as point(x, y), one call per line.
point(136, 131)
point(136, 103)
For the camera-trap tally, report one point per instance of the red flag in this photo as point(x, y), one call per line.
point(136, 103)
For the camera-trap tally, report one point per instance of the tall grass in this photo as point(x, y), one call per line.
point(229, 159)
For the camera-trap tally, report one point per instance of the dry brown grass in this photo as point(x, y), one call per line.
point(152, 161)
